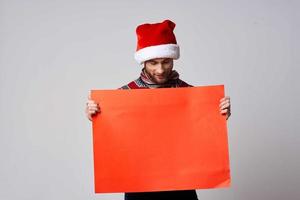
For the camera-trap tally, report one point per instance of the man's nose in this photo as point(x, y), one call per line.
point(160, 68)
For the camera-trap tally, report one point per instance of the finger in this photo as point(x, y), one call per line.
point(227, 98)
point(227, 105)
point(90, 95)
point(94, 109)
point(224, 100)
point(92, 112)
point(225, 111)
point(223, 103)
point(94, 105)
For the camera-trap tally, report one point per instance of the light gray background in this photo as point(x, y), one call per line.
point(53, 52)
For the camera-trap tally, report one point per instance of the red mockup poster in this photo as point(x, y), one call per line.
point(160, 139)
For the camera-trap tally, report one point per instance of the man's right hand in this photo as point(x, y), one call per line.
point(92, 108)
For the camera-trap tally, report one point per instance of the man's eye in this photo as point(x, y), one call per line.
point(153, 63)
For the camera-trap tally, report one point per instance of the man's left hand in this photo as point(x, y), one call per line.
point(225, 107)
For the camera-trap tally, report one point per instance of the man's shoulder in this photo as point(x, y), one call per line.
point(184, 84)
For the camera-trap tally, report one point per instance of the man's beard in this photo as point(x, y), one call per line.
point(158, 79)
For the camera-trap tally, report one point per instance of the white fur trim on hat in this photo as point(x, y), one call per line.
point(158, 51)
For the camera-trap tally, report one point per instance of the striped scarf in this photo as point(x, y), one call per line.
point(144, 81)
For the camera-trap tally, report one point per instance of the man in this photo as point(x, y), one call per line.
point(157, 49)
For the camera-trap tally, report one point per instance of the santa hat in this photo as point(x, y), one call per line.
point(156, 41)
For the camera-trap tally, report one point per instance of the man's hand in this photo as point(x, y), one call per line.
point(225, 107)
point(92, 108)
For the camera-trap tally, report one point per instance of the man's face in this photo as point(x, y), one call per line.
point(159, 69)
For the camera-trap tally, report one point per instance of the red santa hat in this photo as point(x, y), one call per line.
point(156, 41)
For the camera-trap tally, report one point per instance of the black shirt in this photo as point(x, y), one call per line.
point(164, 195)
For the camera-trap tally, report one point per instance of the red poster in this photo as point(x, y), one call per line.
point(160, 139)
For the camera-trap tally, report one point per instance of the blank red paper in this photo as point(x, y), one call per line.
point(160, 139)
